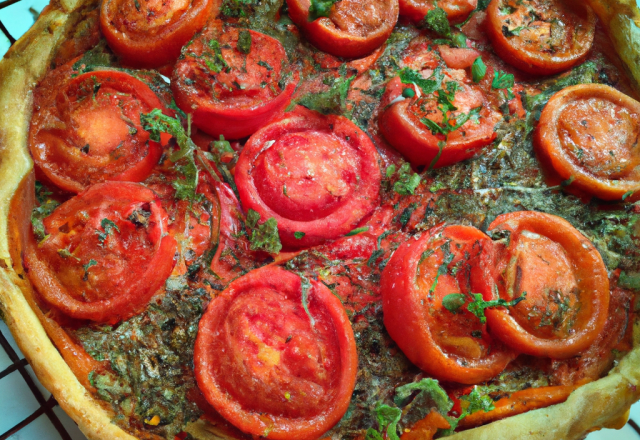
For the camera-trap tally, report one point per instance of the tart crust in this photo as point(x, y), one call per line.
point(603, 403)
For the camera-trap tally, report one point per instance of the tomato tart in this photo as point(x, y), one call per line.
point(326, 219)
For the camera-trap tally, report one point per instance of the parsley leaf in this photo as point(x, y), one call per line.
point(407, 182)
point(427, 386)
point(320, 8)
point(428, 86)
point(478, 70)
point(265, 236)
point(299, 235)
point(332, 101)
point(627, 194)
point(437, 21)
point(357, 231)
point(388, 418)
point(503, 80)
point(244, 42)
point(86, 267)
point(108, 226)
point(478, 305)
point(38, 214)
point(215, 61)
point(453, 301)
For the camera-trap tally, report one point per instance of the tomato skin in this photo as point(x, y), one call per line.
point(401, 127)
point(537, 235)
point(109, 127)
point(248, 324)
point(607, 165)
point(142, 43)
point(308, 141)
point(241, 113)
point(343, 33)
point(523, 51)
point(420, 324)
point(457, 10)
point(131, 263)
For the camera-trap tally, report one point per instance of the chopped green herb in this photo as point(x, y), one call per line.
point(408, 93)
point(459, 40)
point(478, 305)
point(299, 235)
point(502, 80)
point(244, 42)
point(252, 218)
point(437, 21)
point(627, 195)
point(407, 182)
point(86, 267)
point(320, 8)
point(478, 70)
point(332, 101)
point(444, 267)
point(453, 301)
point(357, 231)
point(428, 86)
point(265, 236)
point(108, 227)
point(265, 65)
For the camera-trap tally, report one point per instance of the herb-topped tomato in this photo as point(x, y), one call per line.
point(90, 130)
point(565, 280)
point(442, 121)
point(316, 175)
point(233, 81)
point(589, 135)
point(456, 10)
point(428, 303)
point(541, 36)
point(276, 355)
point(347, 28)
point(106, 253)
point(150, 33)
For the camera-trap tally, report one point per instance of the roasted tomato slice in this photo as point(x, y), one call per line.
point(589, 134)
point(150, 33)
point(276, 356)
point(565, 280)
point(106, 254)
point(541, 36)
point(233, 81)
point(402, 123)
point(316, 175)
point(353, 28)
point(457, 10)
point(90, 131)
point(425, 292)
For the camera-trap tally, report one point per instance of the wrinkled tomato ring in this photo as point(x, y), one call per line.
point(405, 320)
point(310, 428)
point(409, 138)
point(124, 83)
point(536, 63)
point(140, 290)
point(216, 119)
point(343, 219)
point(547, 142)
point(328, 38)
point(591, 274)
point(140, 49)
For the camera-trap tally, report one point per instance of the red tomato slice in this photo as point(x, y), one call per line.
point(589, 133)
point(271, 367)
point(353, 29)
point(449, 346)
point(457, 10)
point(566, 283)
point(106, 255)
point(540, 36)
point(401, 125)
point(229, 92)
point(316, 175)
point(90, 131)
point(150, 33)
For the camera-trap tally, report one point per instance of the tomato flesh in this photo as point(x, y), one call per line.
point(316, 175)
point(106, 253)
point(150, 33)
point(565, 280)
point(353, 28)
point(448, 344)
point(91, 131)
point(541, 36)
point(267, 365)
point(402, 127)
point(229, 92)
point(589, 134)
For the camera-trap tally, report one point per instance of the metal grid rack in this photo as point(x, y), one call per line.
point(27, 410)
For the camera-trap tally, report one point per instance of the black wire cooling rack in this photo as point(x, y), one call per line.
point(48, 414)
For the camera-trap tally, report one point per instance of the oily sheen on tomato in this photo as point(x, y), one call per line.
point(589, 133)
point(88, 131)
point(437, 334)
point(275, 355)
point(233, 81)
point(150, 33)
point(106, 253)
point(402, 123)
point(352, 29)
point(457, 10)
point(541, 36)
point(318, 176)
point(565, 280)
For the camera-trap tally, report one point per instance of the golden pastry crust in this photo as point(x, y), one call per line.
point(604, 403)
